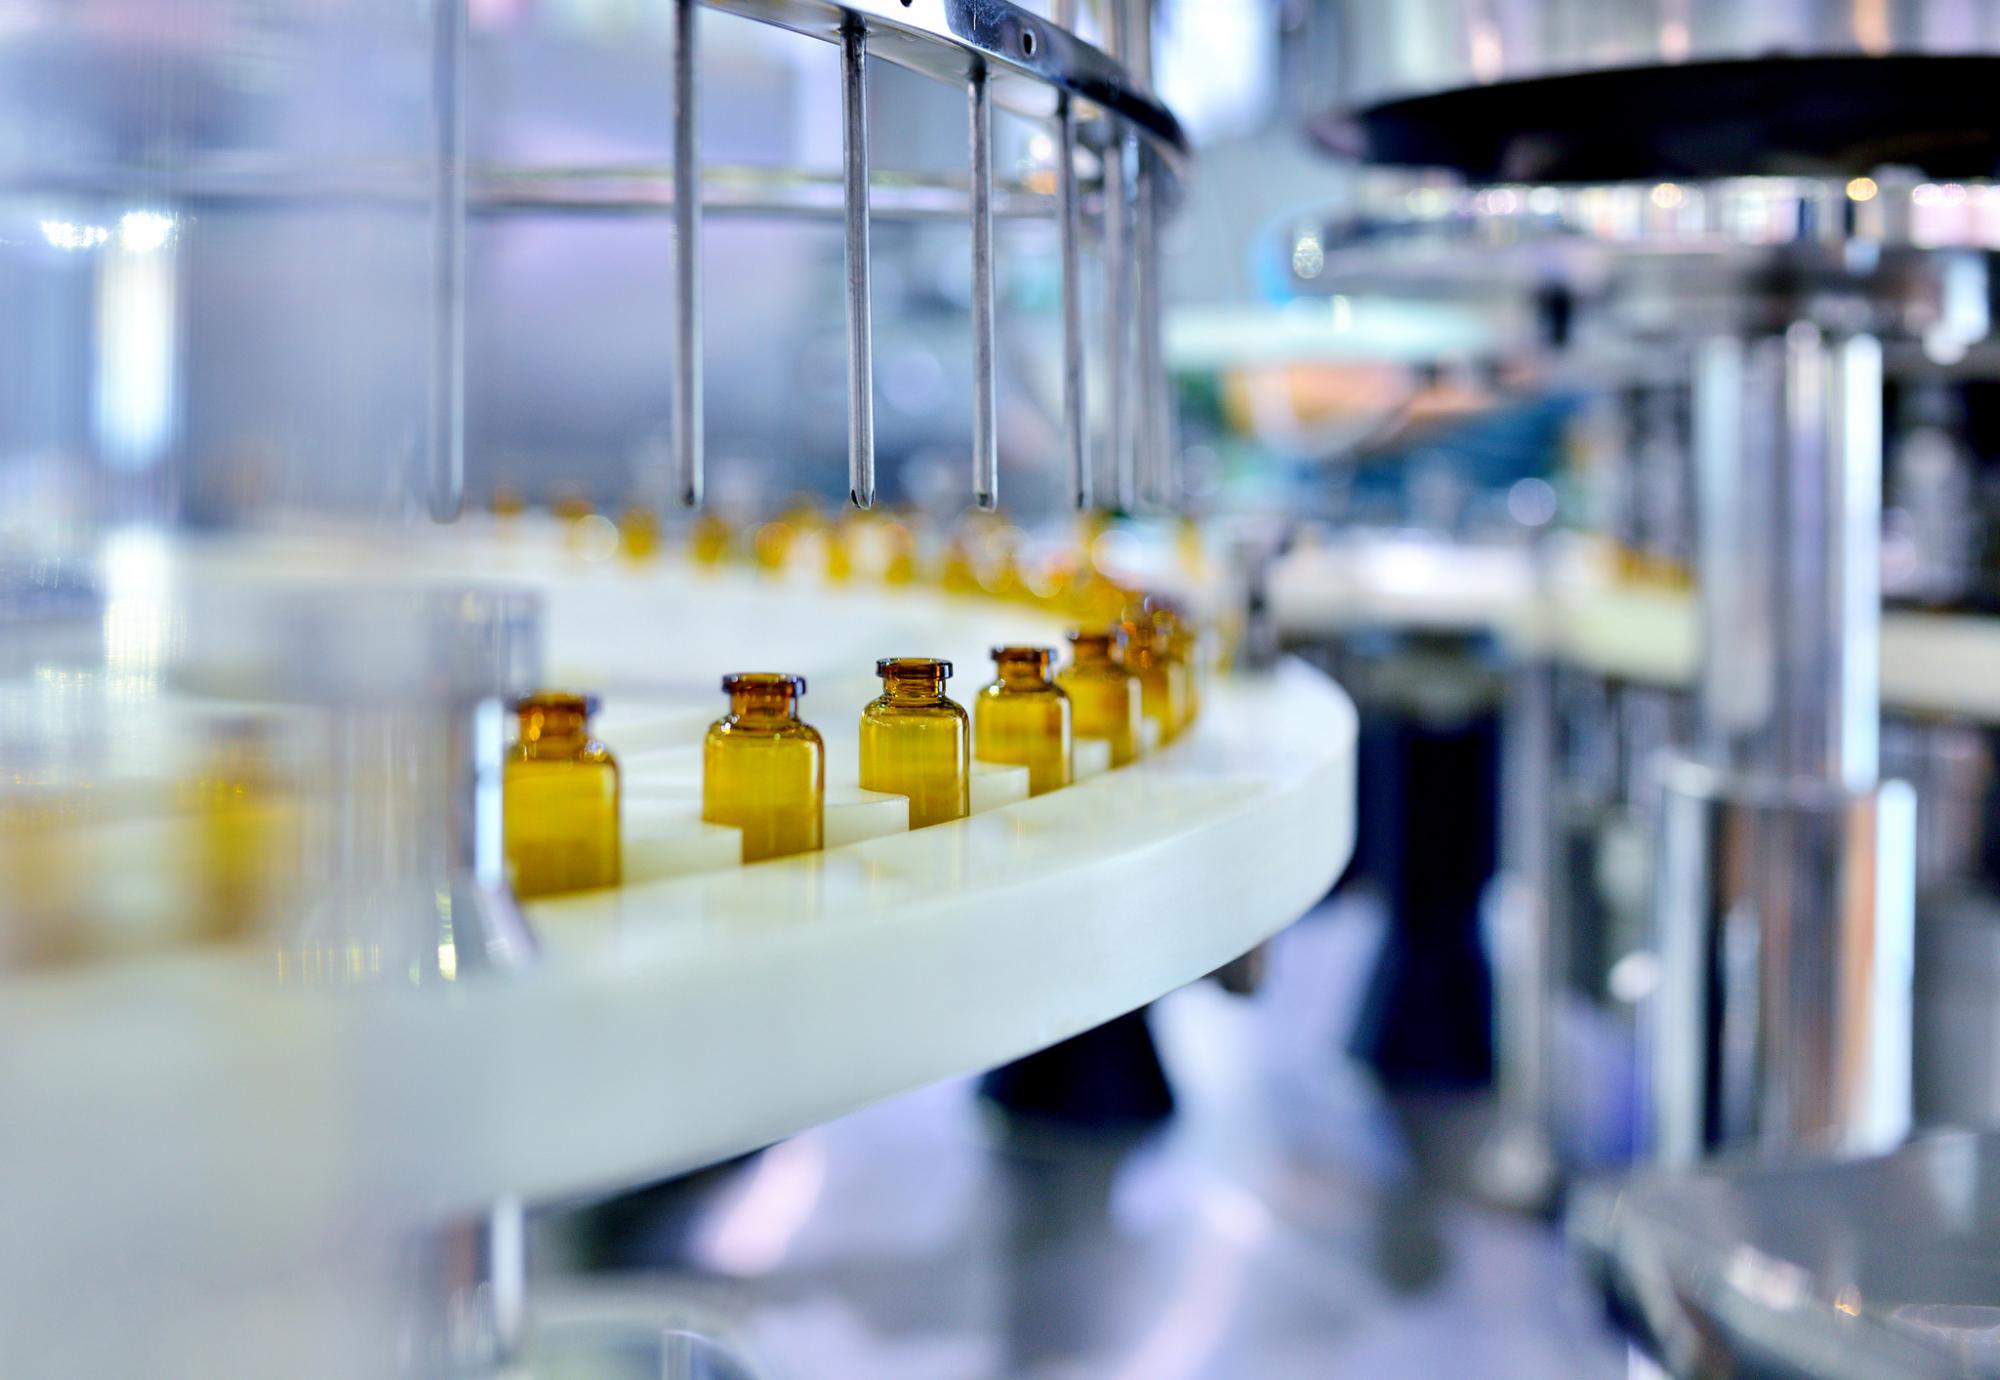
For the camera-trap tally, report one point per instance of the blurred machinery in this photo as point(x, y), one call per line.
point(1759, 242)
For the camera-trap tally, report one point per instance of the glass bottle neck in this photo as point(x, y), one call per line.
point(913, 689)
point(553, 731)
point(764, 703)
point(1024, 673)
point(1091, 651)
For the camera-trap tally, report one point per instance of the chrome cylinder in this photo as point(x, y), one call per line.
point(1785, 870)
point(1786, 960)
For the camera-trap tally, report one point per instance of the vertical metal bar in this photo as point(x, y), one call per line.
point(1117, 183)
point(1157, 482)
point(687, 395)
point(860, 322)
point(1072, 303)
point(985, 444)
point(447, 382)
point(1117, 453)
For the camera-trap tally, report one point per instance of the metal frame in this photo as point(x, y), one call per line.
point(1002, 54)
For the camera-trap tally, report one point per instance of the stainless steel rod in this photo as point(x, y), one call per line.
point(1117, 450)
point(1072, 304)
point(687, 395)
point(1118, 173)
point(447, 383)
point(1154, 439)
point(860, 322)
point(985, 444)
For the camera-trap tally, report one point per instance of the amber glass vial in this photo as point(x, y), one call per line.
point(916, 742)
point(1023, 718)
point(763, 770)
point(1177, 638)
point(1103, 695)
point(638, 532)
point(560, 795)
point(1162, 681)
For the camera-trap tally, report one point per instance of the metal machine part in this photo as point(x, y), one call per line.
point(1003, 54)
point(1874, 1268)
point(1572, 90)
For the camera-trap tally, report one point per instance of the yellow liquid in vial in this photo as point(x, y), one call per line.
point(917, 743)
point(1104, 697)
point(763, 771)
point(559, 797)
point(1162, 681)
point(1023, 720)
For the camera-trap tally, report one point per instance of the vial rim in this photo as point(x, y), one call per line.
point(913, 665)
point(763, 680)
point(575, 701)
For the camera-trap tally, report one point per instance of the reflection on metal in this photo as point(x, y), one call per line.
point(1155, 440)
point(1518, 1164)
point(985, 448)
point(1417, 47)
point(860, 307)
point(1786, 955)
point(1825, 1271)
point(1785, 875)
point(687, 399)
point(1116, 464)
point(741, 191)
point(447, 382)
point(1080, 488)
point(1034, 65)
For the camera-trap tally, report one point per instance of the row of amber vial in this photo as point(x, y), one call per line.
point(764, 768)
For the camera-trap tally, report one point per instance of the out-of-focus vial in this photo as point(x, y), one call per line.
point(916, 742)
point(1103, 695)
point(1023, 718)
point(956, 572)
point(1184, 649)
point(771, 545)
point(899, 566)
point(639, 532)
point(1162, 681)
point(763, 770)
point(708, 543)
point(839, 551)
point(560, 794)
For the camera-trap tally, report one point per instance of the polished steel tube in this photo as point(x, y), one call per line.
point(1080, 487)
point(1786, 869)
point(860, 310)
point(985, 444)
point(1788, 448)
point(1154, 433)
point(447, 382)
point(1117, 451)
point(687, 395)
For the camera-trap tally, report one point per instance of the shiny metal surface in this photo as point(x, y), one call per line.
point(687, 398)
point(447, 375)
point(1788, 461)
point(860, 306)
point(1519, 1163)
point(1786, 935)
point(1881, 1268)
point(1076, 448)
point(730, 190)
point(1673, 88)
point(1033, 63)
point(985, 443)
point(1415, 47)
